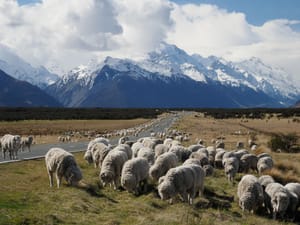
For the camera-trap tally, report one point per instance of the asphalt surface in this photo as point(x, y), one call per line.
point(39, 151)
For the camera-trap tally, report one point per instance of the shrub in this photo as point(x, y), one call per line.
point(283, 142)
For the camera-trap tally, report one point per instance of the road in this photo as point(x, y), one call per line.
point(39, 151)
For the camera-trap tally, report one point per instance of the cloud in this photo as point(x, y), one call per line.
point(72, 32)
point(209, 30)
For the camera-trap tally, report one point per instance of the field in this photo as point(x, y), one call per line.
point(26, 197)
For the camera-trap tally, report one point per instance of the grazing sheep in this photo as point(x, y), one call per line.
point(194, 148)
point(219, 158)
point(125, 148)
point(63, 164)
point(277, 199)
point(261, 155)
point(264, 180)
point(136, 147)
point(134, 172)
point(264, 163)
point(220, 144)
point(248, 161)
point(293, 204)
point(250, 193)
point(98, 152)
point(26, 142)
point(97, 140)
point(231, 167)
point(192, 161)
point(151, 142)
point(208, 169)
point(112, 166)
point(184, 180)
point(294, 187)
point(160, 149)
point(178, 150)
point(239, 145)
point(162, 164)
point(11, 144)
point(227, 155)
point(240, 153)
point(211, 154)
point(201, 157)
point(148, 154)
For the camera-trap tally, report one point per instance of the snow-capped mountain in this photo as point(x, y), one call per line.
point(249, 83)
point(16, 67)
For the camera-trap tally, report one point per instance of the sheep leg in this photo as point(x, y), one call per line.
point(58, 180)
point(50, 174)
point(116, 183)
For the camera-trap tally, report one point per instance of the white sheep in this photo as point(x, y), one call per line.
point(98, 152)
point(219, 157)
point(112, 167)
point(11, 144)
point(231, 167)
point(162, 164)
point(208, 169)
point(192, 161)
point(264, 180)
point(123, 140)
point(26, 142)
point(160, 149)
point(184, 180)
point(63, 164)
point(148, 154)
point(98, 140)
point(179, 151)
point(201, 157)
point(277, 199)
point(250, 193)
point(264, 163)
point(125, 148)
point(136, 148)
point(134, 172)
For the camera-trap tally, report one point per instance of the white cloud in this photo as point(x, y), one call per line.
point(74, 31)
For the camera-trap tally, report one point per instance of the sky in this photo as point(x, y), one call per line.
point(69, 33)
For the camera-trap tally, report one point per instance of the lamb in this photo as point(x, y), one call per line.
point(264, 163)
point(250, 193)
point(277, 199)
point(10, 143)
point(26, 142)
point(162, 164)
point(248, 161)
point(184, 180)
point(265, 180)
point(231, 167)
point(148, 154)
point(63, 164)
point(112, 166)
point(134, 172)
point(160, 149)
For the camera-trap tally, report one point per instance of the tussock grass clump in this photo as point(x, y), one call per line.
point(282, 177)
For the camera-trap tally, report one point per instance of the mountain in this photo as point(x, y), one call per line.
point(169, 77)
point(296, 105)
point(13, 65)
point(16, 93)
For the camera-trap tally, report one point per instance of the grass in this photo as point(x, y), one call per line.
point(26, 198)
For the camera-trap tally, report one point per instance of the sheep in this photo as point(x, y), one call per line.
point(134, 172)
point(211, 154)
point(220, 144)
point(261, 155)
point(184, 180)
point(136, 147)
point(201, 157)
point(97, 154)
point(219, 157)
point(250, 193)
point(231, 167)
point(239, 145)
point(151, 142)
point(26, 142)
point(10, 143)
point(264, 164)
point(160, 149)
point(178, 150)
point(162, 164)
point(194, 148)
point(277, 199)
point(192, 161)
point(240, 153)
point(125, 148)
point(97, 140)
point(122, 140)
point(63, 164)
point(112, 166)
point(227, 155)
point(264, 180)
point(148, 154)
point(294, 187)
point(208, 169)
point(248, 161)
point(293, 204)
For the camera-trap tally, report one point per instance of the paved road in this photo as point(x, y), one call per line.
point(38, 151)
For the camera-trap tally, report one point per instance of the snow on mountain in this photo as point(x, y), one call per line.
point(13, 65)
point(169, 60)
